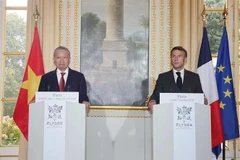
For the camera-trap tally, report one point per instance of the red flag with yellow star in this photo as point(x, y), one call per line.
point(32, 75)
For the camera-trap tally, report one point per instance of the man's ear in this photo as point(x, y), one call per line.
point(53, 60)
point(185, 60)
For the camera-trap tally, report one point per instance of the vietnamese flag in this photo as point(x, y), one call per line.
point(32, 76)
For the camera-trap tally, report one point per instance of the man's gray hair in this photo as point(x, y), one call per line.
point(61, 48)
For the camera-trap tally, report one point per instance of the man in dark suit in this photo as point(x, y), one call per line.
point(64, 78)
point(178, 79)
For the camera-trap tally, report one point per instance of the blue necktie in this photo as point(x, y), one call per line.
point(179, 80)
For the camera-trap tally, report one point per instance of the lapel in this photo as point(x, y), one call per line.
point(186, 79)
point(55, 80)
point(69, 80)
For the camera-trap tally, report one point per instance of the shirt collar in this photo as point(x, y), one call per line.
point(181, 71)
point(66, 71)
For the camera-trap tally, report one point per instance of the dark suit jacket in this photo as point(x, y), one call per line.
point(75, 82)
point(166, 84)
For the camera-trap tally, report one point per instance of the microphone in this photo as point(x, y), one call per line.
point(68, 87)
point(48, 87)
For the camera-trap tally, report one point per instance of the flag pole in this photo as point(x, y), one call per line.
point(204, 15)
point(224, 14)
point(233, 48)
point(36, 15)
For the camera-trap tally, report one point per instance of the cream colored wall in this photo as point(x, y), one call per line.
point(173, 23)
point(48, 28)
point(187, 28)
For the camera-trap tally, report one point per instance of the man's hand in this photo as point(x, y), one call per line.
point(33, 101)
point(87, 104)
point(205, 101)
point(150, 105)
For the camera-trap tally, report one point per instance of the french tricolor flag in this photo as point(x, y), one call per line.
point(206, 72)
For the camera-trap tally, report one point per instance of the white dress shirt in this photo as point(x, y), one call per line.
point(175, 74)
point(65, 75)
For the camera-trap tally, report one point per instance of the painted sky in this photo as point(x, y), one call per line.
point(133, 10)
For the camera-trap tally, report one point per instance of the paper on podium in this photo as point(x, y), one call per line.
point(57, 96)
point(181, 98)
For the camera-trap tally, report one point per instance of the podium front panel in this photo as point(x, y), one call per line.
point(184, 131)
point(163, 134)
point(181, 128)
point(203, 132)
point(75, 140)
point(36, 131)
point(57, 127)
point(54, 130)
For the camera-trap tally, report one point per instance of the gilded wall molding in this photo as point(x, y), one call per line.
point(160, 39)
point(76, 35)
point(69, 29)
point(161, 36)
point(169, 27)
point(152, 44)
point(60, 21)
point(120, 116)
point(119, 112)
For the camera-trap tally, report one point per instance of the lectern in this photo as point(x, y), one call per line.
point(57, 127)
point(181, 127)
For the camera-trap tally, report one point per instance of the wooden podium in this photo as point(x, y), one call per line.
point(181, 127)
point(57, 127)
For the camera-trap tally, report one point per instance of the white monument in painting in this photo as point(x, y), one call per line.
point(114, 46)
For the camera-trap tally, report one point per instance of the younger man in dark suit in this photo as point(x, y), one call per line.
point(64, 78)
point(177, 79)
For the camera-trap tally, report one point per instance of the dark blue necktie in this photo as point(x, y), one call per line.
point(179, 80)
